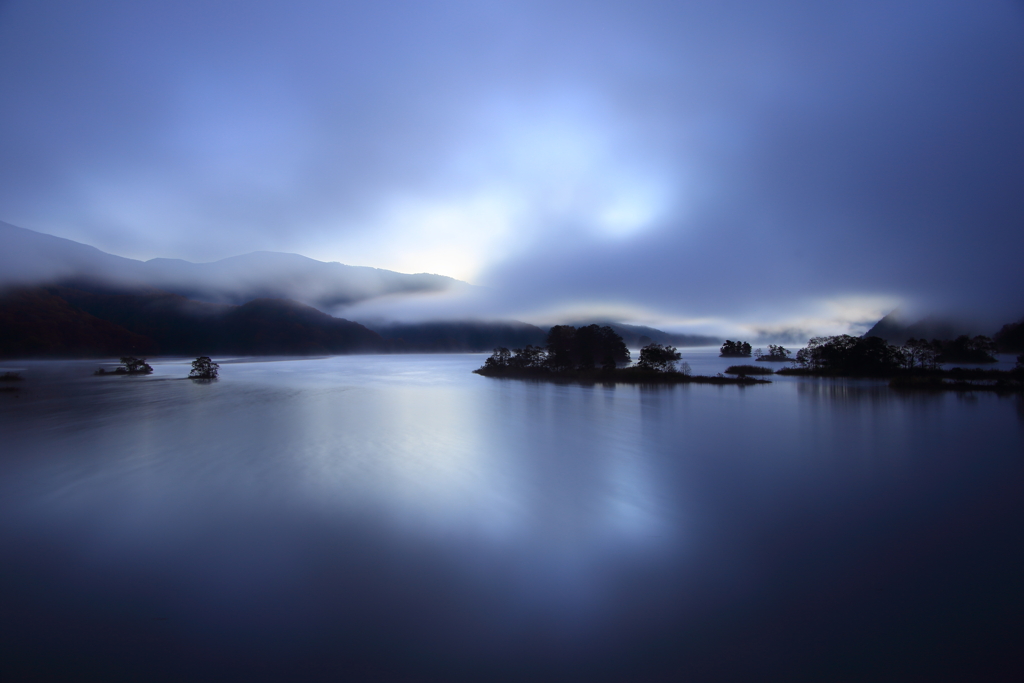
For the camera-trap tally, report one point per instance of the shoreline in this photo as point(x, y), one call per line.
point(617, 376)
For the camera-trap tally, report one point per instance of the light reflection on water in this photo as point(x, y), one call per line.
point(401, 516)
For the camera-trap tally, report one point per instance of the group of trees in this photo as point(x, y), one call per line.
point(585, 348)
point(658, 358)
point(202, 368)
point(130, 366)
point(846, 354)
point(1010, 339)
point(735, 349)
point(741, 349)
point(776, 353)
point(964, 349)
point(569, 349)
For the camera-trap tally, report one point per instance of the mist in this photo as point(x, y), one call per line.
point(775, 170)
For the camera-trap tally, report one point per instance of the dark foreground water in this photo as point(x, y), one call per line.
point(399, 518)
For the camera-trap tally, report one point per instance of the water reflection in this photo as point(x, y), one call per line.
point(400, 517)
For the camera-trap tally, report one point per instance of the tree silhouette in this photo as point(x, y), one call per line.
point(498, 359)
point(776, 353)
point(584, 348)
point(529, 357)
point(965, 349)
point(568, 349)
point(846, 354)
point(204, 368)
point(134, 366)
point(920, 354)
point(658, 358)
point(740, 349)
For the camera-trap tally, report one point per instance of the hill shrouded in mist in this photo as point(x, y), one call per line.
point(68, 322)
point(30, 258)
point(63, 298)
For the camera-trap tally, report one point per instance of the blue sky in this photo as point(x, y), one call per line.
point(696, 165)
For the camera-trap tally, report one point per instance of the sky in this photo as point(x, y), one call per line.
point(765, 166)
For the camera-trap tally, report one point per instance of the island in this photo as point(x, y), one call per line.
point(776, 354)
point(735, 349)
point(597, 355)
point(915, 365)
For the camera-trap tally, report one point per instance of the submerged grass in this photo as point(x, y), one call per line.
point(748, 370)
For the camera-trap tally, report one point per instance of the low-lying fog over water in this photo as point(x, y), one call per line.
point(400, 518)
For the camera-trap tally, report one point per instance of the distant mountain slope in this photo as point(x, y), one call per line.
point(37, 323)
point(896, 329)
point(32, 258)
point(71, 322)
point(266, 274)
point(634, 335)
point(456, 336)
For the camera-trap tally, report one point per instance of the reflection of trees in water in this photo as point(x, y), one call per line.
point(845, 391)
point(854, 393)
point(859, 391)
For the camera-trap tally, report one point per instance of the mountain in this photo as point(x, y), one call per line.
point(896, 329)
point(164, 303)
point(32, 258)
point(72, 322)
point(35, 322)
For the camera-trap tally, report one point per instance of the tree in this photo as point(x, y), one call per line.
point(529, 357)
point(498, 359)
point(920, 353)
point(1010, 339)
point(569, 348)
point(134, 366)
point(776, 352)
point(658, 358)
point(846, 354)
point(964, 349)
point(204, 368)
point(561, 347)
point(608, 348)
point(735, 348)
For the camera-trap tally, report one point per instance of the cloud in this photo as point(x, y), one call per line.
point(740, 162)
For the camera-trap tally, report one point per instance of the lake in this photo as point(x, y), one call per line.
point(400, 518)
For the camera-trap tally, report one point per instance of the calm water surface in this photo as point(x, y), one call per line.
point(399, 518)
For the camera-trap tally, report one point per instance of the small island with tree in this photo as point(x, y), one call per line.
point(594, 354)
point(129, 366)
point(735, 349)
point(776, 354)
point(204, 369)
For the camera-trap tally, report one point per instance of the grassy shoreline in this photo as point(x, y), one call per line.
point(617, 376)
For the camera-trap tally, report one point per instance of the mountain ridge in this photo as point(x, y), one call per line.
point(29, 258)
